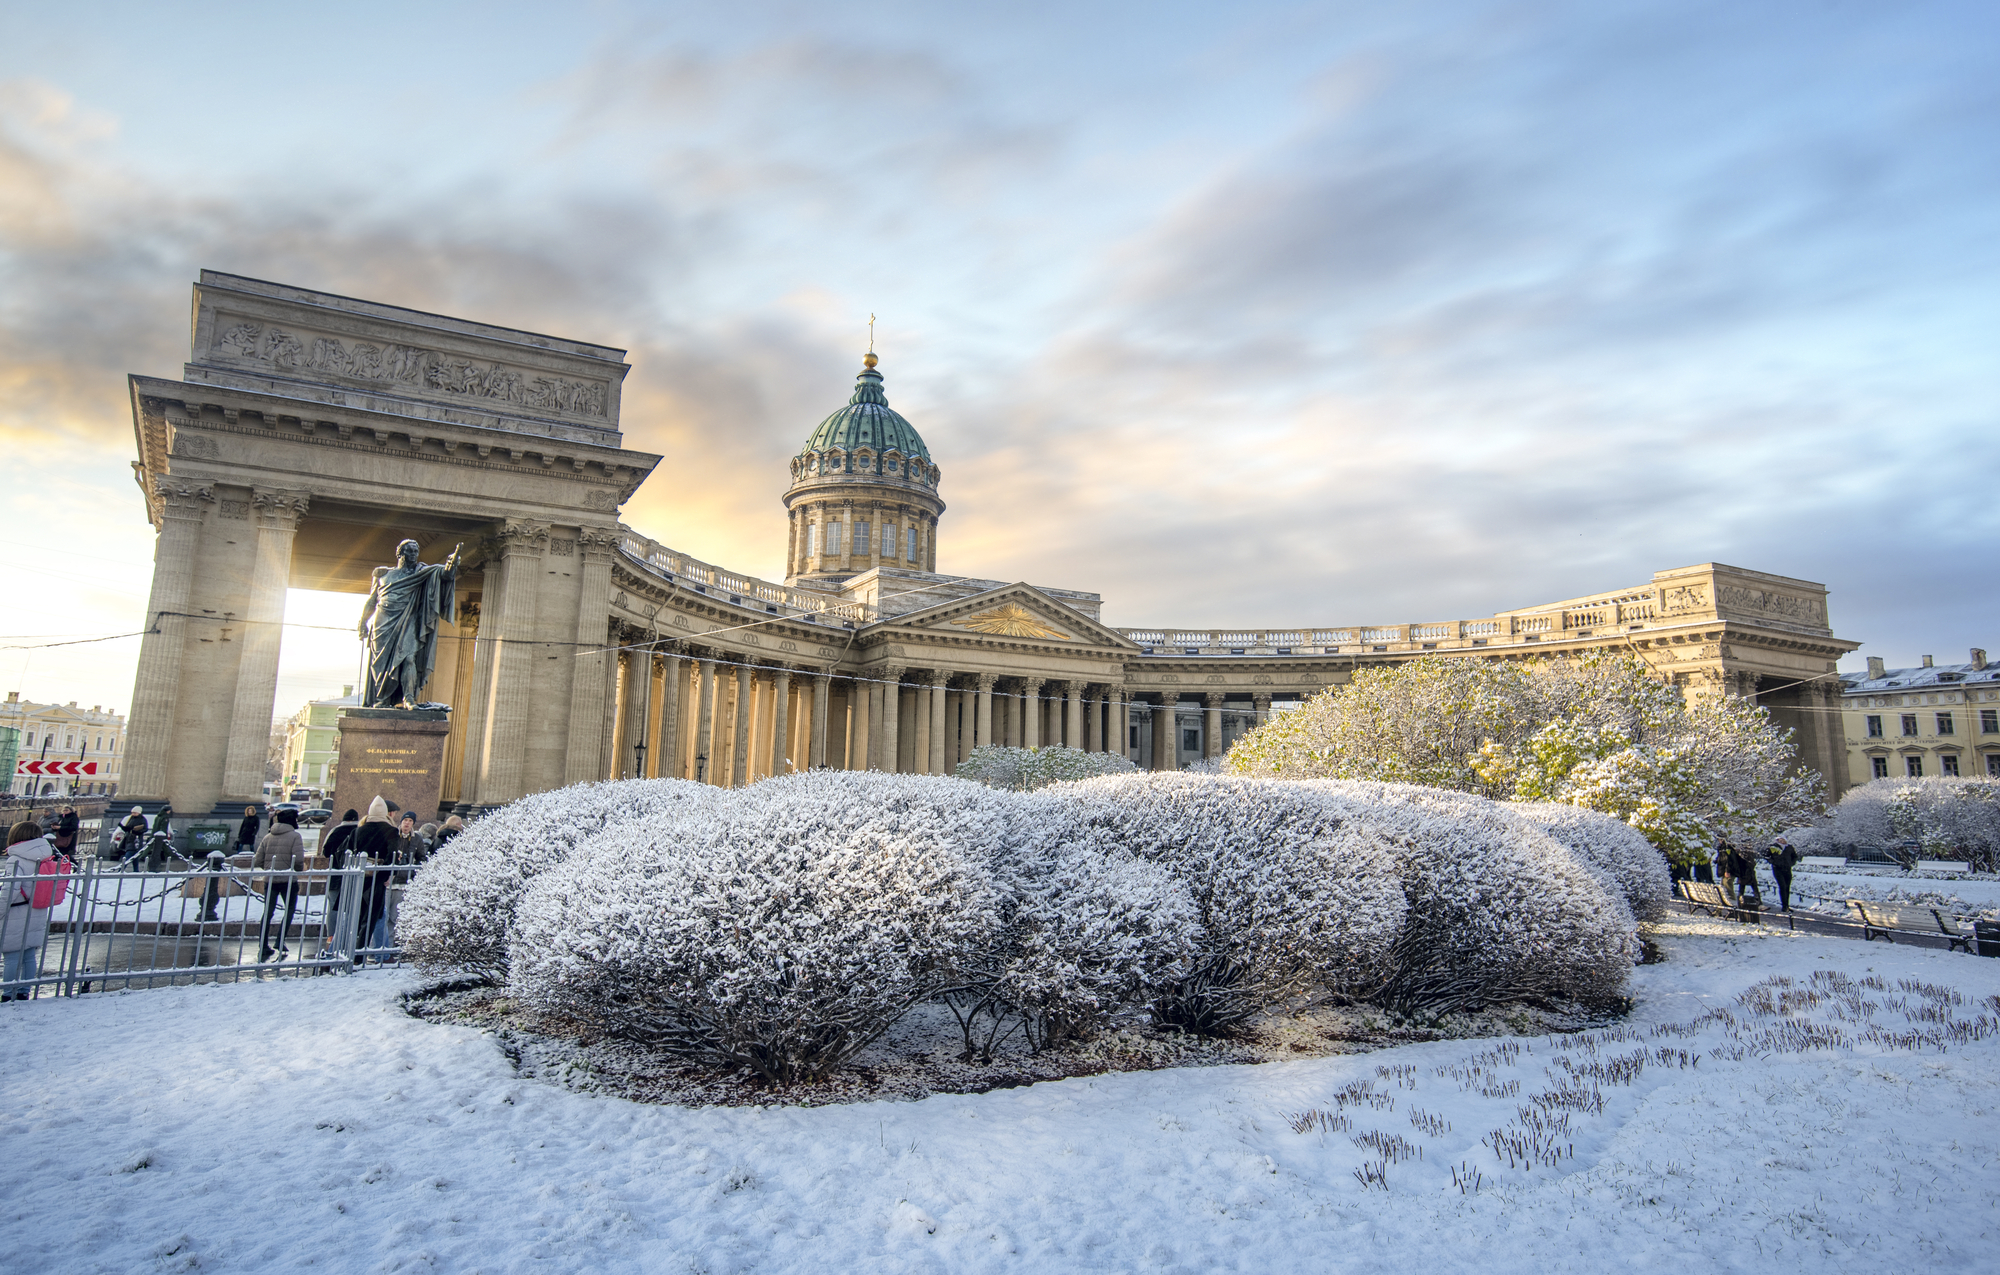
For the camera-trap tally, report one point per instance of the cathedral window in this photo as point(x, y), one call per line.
point(911, 555)
point(812, 540)
point(861, 538)
point(833, 540)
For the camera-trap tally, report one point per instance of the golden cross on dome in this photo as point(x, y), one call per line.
point(871, 334)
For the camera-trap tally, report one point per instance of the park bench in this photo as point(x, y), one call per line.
point(1710, 898)
point(1884, 920)
point(1948, 866)
point(1823, 862)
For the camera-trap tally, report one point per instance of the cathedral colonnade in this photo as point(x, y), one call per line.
point(309, 433)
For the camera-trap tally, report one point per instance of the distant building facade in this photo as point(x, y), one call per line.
point(1930, 720)
point(63, 733)
point(312, 741)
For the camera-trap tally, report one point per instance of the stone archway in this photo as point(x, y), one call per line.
point(310, 433)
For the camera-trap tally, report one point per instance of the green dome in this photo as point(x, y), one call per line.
point(867, 421)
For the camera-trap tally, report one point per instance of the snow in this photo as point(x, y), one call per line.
point(311, 1122)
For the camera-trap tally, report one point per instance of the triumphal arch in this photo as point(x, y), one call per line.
point(310, 433)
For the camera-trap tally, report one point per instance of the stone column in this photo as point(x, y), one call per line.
point(461, 701)
point(781, 719)
point(514, 651)
point(704, 731)
point(1010, 712)
point(939, 758)
point(628, 729)
point(892, 716)
point(739, 757)
point(584, 757)
point(1073, 719)
point(1211, 744)
point(669, 764)
point(1093, 724)
point(1120, 730)
point(959, 711)
point(278, 514)
point(1031, 712)
point(860, 722)
point(822, 691)
point(982, 721)
point(156, 689)
point(1261, 702)
point(1166, 745)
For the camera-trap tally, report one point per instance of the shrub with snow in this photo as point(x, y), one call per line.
point(780, 929)
point(1289, 891)
point(1083, 933)
point(1609, 847)
point(459, 912)
point(1945, 818)
point(1025, 769)
point(1498, 910)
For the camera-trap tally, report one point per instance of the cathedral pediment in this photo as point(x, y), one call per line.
point(1015, 613)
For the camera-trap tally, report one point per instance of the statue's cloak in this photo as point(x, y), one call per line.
point(402, 646)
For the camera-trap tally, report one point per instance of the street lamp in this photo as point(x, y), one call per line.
point(640, 749)
point(701, 768)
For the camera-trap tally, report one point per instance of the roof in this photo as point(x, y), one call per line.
point(867, 421)
point(1903, 679)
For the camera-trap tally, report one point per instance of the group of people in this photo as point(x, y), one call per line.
point(1734, 868)
point(386, 849)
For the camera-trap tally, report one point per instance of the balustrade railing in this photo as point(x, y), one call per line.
point(743, 590)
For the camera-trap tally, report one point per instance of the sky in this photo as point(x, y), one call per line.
point(1249, 315)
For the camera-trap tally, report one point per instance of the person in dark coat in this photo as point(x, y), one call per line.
point(246, 832)
point(132, 833)
point(447, 834)
point(375, 842)
point(1783, 859)
point(67, 826)
point(1744, 868)
point(161, 843)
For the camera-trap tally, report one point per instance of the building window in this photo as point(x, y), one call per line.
point(1949, 764)
point(1944, 724)
point(833, 540)
point(1993, 765)
point(1881, 767)
point(1909, 723)
point(911, 554)
point(1875, 726)
point(1989, 721)
point(812, 540)
point(1135, 738)
point(1190, 741)
point(1913, 767)
point(862, 537)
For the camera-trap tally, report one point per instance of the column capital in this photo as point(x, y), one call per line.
point(522, 538)
point(1261, 701)
point(940, 677)
point(596, 545)
point(890, 672)
point(1214, 698)
point(985, 681)
point(1075, 686)
point(278, 507)
point(182, 500)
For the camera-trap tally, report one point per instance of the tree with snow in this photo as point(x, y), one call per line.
point(1601, 732)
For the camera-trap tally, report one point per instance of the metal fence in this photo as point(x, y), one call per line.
point(216, 922)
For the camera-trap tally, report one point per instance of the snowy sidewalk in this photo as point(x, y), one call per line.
point(270, 1126)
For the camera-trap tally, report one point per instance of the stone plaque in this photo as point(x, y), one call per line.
point(394, 753)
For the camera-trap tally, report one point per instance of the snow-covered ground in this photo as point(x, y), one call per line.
point(1963, 895)
point(271, 1126)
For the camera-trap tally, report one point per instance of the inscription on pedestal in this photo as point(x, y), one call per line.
point(397, 754)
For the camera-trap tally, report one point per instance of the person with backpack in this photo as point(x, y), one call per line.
point(29, 898)
point(68, 824)
point(131, 834)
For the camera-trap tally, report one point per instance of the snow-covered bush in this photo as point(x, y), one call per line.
point(1498, 911)
point(1289, 891)
point(1945, 818)
point(1082, 933)
point(780, 929)
point(1025, 769)
point(1609, 847)
point(459, 912)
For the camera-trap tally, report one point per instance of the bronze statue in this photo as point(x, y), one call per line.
point(406, 601)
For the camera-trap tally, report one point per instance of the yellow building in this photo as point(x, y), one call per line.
point(1925, 721)
point(64, 733)
point(312, 742)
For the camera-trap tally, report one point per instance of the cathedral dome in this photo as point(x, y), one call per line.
point(867, 422)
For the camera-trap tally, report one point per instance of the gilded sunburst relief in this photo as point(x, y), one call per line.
point(1011, 620)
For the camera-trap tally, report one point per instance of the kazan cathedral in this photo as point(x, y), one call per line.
point(309, 433)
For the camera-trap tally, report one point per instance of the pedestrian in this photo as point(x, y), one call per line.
point(375, 841)
point(1783, 859)
point(1725, 868)
point(1746, 877)
point(246, 832)
point(406, 838)
point(161, 843)
point(340, 837)
point(281, 853)
point(131, 834)
point(449, 833)
point(27, 926)
point(67, 826)
point(427, 842)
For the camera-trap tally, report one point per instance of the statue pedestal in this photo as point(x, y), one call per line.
point(394, 753)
